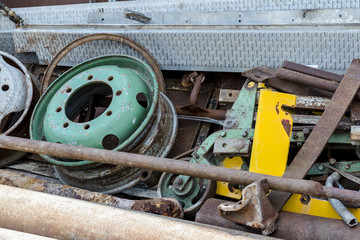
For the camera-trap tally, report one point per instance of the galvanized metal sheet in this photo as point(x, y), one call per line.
point(210, 49)
point(241, 18)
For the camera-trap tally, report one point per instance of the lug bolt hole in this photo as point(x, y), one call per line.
point(68, 90)
point(87, 126)
point(90, 77)
point(110, 78)
point(108, 113)
point(58, 109)
point(66, 125)
point(5, 87)
point(118, 93)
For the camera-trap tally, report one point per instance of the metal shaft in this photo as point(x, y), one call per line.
point(177, 167)
point(162, 206)
point(66, 218)
point(312, 71)
point(290, 225)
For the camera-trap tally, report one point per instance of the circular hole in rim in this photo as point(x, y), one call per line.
point(68, 90)
point(90, 77)
point(118, 93)
point(108, 113)
point(5, 87)
point(230, 94)
point(110, 78)
point(110, 142)
point(88, 102)
point(65, 125)
point(142, 100)
point(58, 109)
point(86, 126)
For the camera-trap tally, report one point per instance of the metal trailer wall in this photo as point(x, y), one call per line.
point(212, 35)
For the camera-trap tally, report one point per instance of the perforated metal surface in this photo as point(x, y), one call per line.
point(214, 50)
point(229, 47)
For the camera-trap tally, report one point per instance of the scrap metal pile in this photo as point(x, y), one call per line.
point(103, 132)
point(270, 151)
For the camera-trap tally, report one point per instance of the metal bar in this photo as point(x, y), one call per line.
point(312, 71)
point(290, 225)
point(343, 212)
point(309, 80)
point(203, 112)
point(166, 206)
point(177, 167)
point(66, 218)
point(322, 132)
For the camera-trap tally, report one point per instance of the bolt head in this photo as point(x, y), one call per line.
point(332, 161)
point(222, 134)
point(244, 134)
point(321, 167)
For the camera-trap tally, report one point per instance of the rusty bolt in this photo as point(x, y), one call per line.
point(179, 181)
point(332, 161)
point(294, 135)
point(222, 134)
point(196, 155)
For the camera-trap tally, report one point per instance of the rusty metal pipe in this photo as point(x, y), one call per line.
point(309, 80)
point(290, 225)
point(162, 206)
point(196, 89)
point(178, 167)
point(66, 218)
point(312, 71)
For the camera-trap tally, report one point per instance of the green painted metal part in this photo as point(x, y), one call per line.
point(58, 127)
point(238, 124)
point(121, 77)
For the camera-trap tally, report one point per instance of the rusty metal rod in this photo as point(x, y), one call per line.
point(201, 112)
point(309, 80)
point(162, 206)
point(65, 218)
point(178, 167)
point(312, 71)
point(290, 225)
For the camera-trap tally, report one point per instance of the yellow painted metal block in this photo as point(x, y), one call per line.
point(223, 188)
point(316, 207)
point(272, 133)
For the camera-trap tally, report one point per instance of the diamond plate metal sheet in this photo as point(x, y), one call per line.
point(208, 50)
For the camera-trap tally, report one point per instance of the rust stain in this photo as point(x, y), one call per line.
point(287, 126)
point(277, 108)
point(161, 206)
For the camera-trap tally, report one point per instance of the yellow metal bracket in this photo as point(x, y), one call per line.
point(272, 133)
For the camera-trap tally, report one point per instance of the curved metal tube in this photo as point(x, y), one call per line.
point(343, 212)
